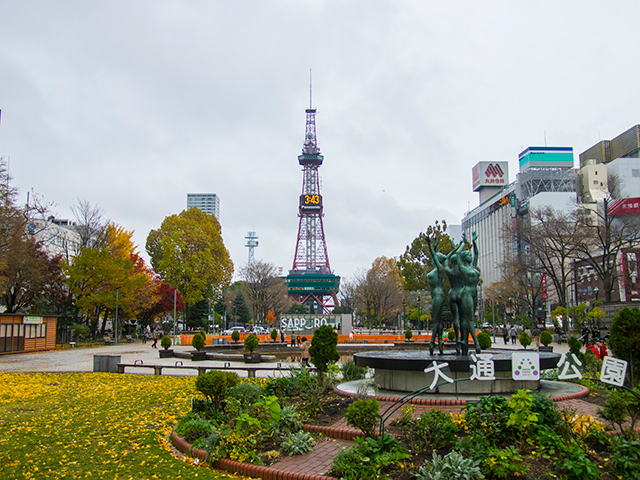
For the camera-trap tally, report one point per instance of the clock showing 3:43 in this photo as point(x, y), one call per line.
point(311, 201)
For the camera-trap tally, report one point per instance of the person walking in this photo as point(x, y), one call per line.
point(505, 334)
point(156, 335)
point(304, 346)
point(536, 336)
point(512, 334)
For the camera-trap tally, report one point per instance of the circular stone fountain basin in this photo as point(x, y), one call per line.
point(404, 371)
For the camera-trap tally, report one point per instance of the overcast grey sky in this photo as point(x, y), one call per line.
point(130, 105)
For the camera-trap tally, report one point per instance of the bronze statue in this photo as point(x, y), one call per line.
point(457, 285)
point(465, 268)
point(434, 277)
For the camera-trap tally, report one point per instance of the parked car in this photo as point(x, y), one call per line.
point(234, 329)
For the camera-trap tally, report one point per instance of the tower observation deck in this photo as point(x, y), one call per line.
point(310, 281)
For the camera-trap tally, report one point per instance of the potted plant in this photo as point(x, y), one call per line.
point(408, 335)
point(250, 344)
point(198, 342)
point(545, 339)
point(165, 343)
point(273, 335)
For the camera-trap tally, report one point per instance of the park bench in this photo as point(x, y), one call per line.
point(129, 339)
point(108, 340)
point(157, 369)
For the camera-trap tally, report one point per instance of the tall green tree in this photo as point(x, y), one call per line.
point(240, 311)
point(187, 251)
point(415, 263)
point(624, 340)
point(99, 278)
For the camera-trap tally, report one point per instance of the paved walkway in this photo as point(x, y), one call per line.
point(80, 359)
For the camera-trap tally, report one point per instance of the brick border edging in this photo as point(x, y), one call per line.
point(265, 473)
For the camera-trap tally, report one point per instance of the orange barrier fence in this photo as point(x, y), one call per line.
point(185, 339)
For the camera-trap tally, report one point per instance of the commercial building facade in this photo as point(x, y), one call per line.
point(209, 203)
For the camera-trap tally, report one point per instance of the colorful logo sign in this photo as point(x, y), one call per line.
point(525, 366)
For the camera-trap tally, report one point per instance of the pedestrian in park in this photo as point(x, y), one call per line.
point(156, 335)
point(512, 334)
point(282, 336)
point(304, 346)
point(505, 334)
point(536, 336)
point(144, 336)
point(603, 349)
point(593, 349)
point(585, 335)
point(293, 340)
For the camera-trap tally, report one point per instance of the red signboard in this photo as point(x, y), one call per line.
point(624, 206)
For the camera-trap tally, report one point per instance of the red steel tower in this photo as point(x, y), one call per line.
point(311, 282)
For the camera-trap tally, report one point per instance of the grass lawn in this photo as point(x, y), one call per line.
point(93, 425)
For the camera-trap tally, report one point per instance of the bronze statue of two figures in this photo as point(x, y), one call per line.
point(461, 269)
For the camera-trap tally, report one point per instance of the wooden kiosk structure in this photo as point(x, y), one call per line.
point(27, 333)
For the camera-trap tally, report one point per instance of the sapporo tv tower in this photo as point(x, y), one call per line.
point(311, 281)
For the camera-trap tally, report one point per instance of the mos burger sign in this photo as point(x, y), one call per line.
point(490, 174)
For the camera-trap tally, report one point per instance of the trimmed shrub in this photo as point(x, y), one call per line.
point(251, 342)
point(274, 334)
point(363, 415)
point(165, 342)
point(235, 335)
point(324, 348)
point(546, 338)
point(408, 334)
point(197, 341)
point(215, 384)
point(525, 339)
point(484, 339)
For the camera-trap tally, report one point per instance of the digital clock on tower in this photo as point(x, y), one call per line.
point(310, 201)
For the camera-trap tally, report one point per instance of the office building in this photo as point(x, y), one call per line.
point(209, 203)
point(546, 178)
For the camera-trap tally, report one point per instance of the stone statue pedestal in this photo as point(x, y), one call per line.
point(403, 371)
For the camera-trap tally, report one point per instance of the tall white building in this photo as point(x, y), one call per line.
point(209, 203)
point(546, 178)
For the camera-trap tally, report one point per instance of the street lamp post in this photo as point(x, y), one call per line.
point(115, 330)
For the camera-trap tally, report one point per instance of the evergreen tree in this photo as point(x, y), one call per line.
point(241, 312)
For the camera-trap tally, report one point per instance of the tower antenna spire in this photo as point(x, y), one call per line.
point(310, 89)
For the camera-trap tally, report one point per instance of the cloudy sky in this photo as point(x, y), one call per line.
point(130, 105)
